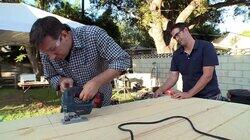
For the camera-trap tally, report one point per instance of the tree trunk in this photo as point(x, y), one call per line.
point(32, 53)
point(160, 23)
point(157, 34)
point(157, 27)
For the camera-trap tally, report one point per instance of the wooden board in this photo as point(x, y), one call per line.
point(33, 84)
point(225, 119)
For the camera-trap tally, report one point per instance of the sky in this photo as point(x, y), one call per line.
point(231, 24)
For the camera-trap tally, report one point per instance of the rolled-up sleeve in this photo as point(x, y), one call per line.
point(49, 72)
point(117, 58)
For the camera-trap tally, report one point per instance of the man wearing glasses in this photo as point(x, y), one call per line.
point(196, 61)
point(85, 56)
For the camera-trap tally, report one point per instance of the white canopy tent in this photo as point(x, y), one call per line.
point(16, 20)
point(235, 43)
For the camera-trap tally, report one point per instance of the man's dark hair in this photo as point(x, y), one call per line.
point(180, 25)
point(47, 26)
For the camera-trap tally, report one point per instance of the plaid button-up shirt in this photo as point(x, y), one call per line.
point(93, 52)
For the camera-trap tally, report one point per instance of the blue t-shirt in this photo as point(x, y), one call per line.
point(191, 67)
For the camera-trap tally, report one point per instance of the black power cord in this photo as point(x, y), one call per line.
point(198, 131)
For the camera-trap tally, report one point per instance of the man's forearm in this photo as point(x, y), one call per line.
point(169, 84)
point(202, 82)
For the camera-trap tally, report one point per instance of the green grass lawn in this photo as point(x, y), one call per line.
point(40, 101)
point(36, 102)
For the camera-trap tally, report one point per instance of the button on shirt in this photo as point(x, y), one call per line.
point(191, 67)
point(93, 52)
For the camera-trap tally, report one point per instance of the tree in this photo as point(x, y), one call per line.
point(158, 15)
point(106, 22)
point(132, 34)
point(45, 4)
point(194, 12)
point(70, 11)
point(205, 32)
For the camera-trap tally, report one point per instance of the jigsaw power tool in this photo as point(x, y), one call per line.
point(73, 107)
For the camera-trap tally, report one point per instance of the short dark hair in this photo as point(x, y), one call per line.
point(47, 26)
point(180, 25)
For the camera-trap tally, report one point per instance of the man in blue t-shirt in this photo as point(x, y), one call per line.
point(196, 61)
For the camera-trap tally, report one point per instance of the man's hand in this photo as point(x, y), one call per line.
point(181, 95)
point(169, 92)
point(89, 90)
point(158, 93)
point(65, 83)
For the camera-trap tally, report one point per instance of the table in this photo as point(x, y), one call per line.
point(230, 120)
point(27, 85)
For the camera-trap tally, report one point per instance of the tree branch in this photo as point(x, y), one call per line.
point(203, 17)
point(188, 11)
point(229, 3)
point(200, 18)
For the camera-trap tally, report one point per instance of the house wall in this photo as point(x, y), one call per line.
point(233, 71)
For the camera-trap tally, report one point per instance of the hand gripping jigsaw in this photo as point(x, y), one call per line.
point(73, 107)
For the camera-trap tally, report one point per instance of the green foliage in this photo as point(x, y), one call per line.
point(205, 31)
point(20, 57)
point(132, 35)
point(136, 28)
point(106, 22)
point(146, 16)
point(14, 54)
point(138, 17)
point(70, 11)
point(45, 4)
point(201, 9)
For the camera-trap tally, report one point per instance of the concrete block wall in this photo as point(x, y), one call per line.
point(233, 71)
point(145, 65)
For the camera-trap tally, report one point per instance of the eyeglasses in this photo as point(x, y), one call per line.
point(58, 43)
point(177, 34)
